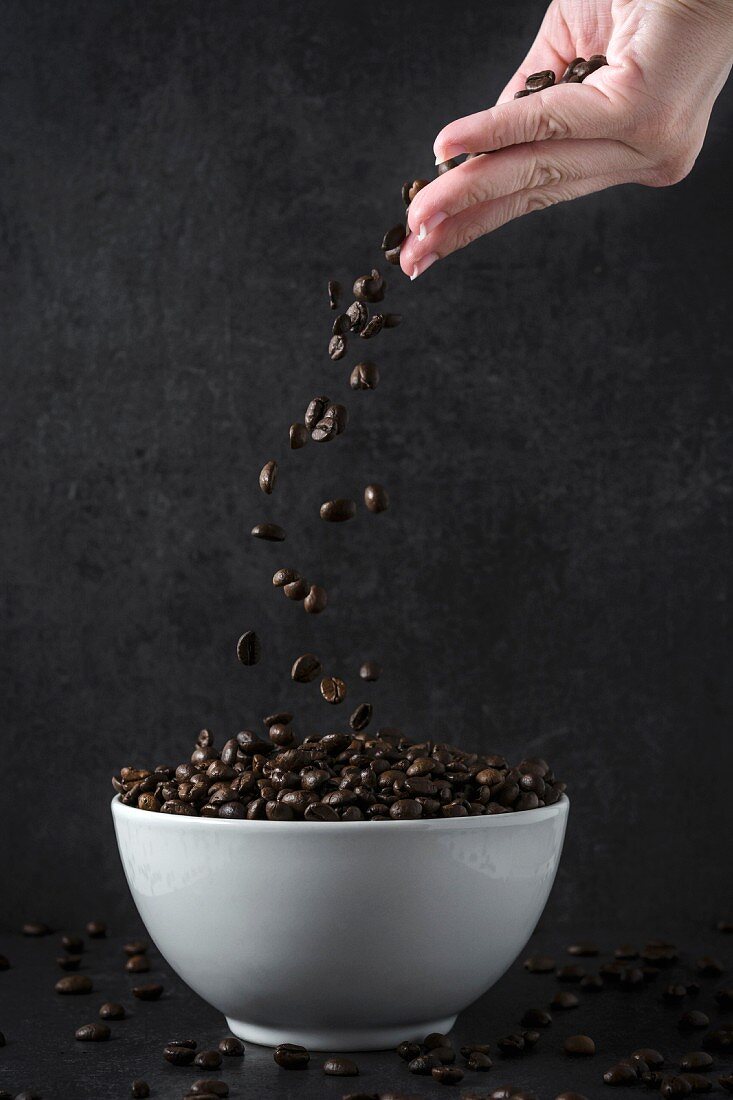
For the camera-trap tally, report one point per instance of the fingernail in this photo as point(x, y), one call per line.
point(431, 224)
point(449, 152)
point(423, 265)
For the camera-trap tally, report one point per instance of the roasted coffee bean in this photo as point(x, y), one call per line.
point(475, 1048)
point(570, 973)
point(536, 1017)
point(626, 951)
point(674, 1086)
point(296, 590)
point(357, 316)
point(376, 498)
point(564, 1000)
point(511, 1045)
point(140, 1090)
point(650, 1056)
point(340, 1067)
point(392, 255)
point(539, 964)
point(478, 1061)
point(394, 237)
point(270, 532)
point(631, 977)
point(66, 962)
point(291, 1056)
point(334, 293)
point(337, 511)
point(341, 325)
point(571, 69)
point(315, 411)
point(710, 967)
point(231, 1047)
point(696, 1059)
point(411, 188)
point(697, 1082)
point(674, 992)
point(337, 347)
point(73, 944)
point(531, 1038)
point(369, 288)
point(92, 1033)
point(325, 430)
point(207, 1059)
point(205, 1089)
point(408, 1050)
point(537, 82)
point(319, 811)
point(370, 670)
point(721, 1039)
point(137, 964)
point(521, 93)
point(621, 1074)
point(591, 982)
point(445, 1054)
point(374, 325)
point(364, 376)
point(35, 928)
point(361, 717)
point(280, 718)
point(282, 736)
point(726, 1082)
point(249, 649)
point(423, 1065)
point(405, 809)
point(511, 1092)
point(306, 669)
point(435, 1039)
point(692, 1020)
point(298, 435)
point(447, 1075)
point(151, 991)
point(110, 1010)
point(179, 1055)
point(316, 600)
point(338, 415)
point(333, 690)
point(579, 1046)
point(74, 984)
point(446, 166)
point(582, 950)
point(268, 476)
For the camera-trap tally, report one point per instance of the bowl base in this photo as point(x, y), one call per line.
point(323, 1039)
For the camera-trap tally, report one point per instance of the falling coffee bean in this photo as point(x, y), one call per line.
point(316, 600)
point(74, 984)
point(248, 648)
point(66, 962)
point(370, 670)
point(340, 1067)
point(341, 326)
point(374, 325)
point(376, 498)
point(291, 1056)
point(315, 411)
point(334, 293)
point(339, 414)
point(296, 590)
point(333, 689)
point(298, 436)
point(338, 511)
point(281, 577)
point(92, 1033)
point(411, 188)
point(306, 669)
point(364, 376)
point(269, 532)
point(361, 717)
point(337, 347)
point(357, 315)
point(268, 476)
point(394, 237)
point(369, 288)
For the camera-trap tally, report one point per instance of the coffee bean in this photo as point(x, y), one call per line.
point(249, 649)
point(726, 1082)
point(205, 1088)
point(674, 1086)
point(376, 498)
point(447, 1075)
point(361, 717)
point(151, 991)
point(74, 984)
point(537, 82)
point(411, 188)
point(631, 977)
point(337, 347)
point(621, 1074)
point(394, 237)
point(291, 1056)
point(510, 1046)
point(66, 962)
point(268, 476)
point(539, 964)
point(583, 950)
point(511, 1092)
point(445, 1055)
point(92, 1033)
point(521, 93)
point(478, 1061)
point(337, 511)
point(73, 944)
point(405, 809)
point(231, 1047)
point(179, 1055)
point(364, 376)
point(96, 929)
point(357, 316)
point(408, 1050)
point(315, 411)
point(696, 1059)
point(475, 1048)
point(140, 1090)
point(370, 670)
point(369, 288)
point(207, 1059)
point(423, 1065)
point(191, 1044)
point(110, 1010)
point(306, 669)
point(591, 982)
point(35, 928)
point(316, 600)
point(334, 293)
point(693, 1019)
point(697, 1082)
point(137, 964)
point(570, 973)
point(650, 1056)
point(571, 69)
point(340, 1067)
point(446, 166)
point(282, 736)
point(296, 590)
point(333, 689)
point(674, 992)
point(374, 325)
point(280, 718)
point(564, 1001)
point(270, 532)
point(341, 326)
point(579, 1046)
point(626, 951)
point(337, 414)
point(710, 967)
point(536, 1017)
point(298, 435)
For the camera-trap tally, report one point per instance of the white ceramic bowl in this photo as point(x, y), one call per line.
point(340, 935)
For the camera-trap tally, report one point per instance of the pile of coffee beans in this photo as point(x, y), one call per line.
point(353, 776)
point(575, 73)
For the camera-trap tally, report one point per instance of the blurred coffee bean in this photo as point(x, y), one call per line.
point(710, 967)
point(370, 670)
point(626, 951)
point(316, 600)
point(268, 476)
point(696, 1059)
point(423, 1065)
point(73, 944)
point(650, 1056)
point(291, 1056)
point(110, 1010)
point(361, 717)
point(334, 293)
point(408, 1050)
point(564, 1000)
point(35, 928)
point(447, 1075)
point(726, 1082)
point(521, 93)
point(692, 1020)
point(376, 498)
point(539, 964)
point(341, 326)
point(92, 1033)
point(66, 962)
point(583, 950)
point(478, 1062)
point(206, 1088)
point(591, 982)
point(280, 718)
point(5, 963)
point(140, 1090)
point(137, 964)
point(570, 973)
point(475, 1048)
point(364, 376)
point(249, 649)
point(74, 984)
point(724, 997)
point(536, 1017)
point(151, 991)
point(269, 532)
point(298, 435)
point(622, 1074)
point(96, 929)
point(579, 1046)
point(340, 1067)
point(306, 669)
point(337, 511)
point(674, 1086)
point(697, 1082)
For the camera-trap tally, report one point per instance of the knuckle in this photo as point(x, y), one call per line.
point(548, 125)
point(540, 200)
point(543, 175)
point(467, 234)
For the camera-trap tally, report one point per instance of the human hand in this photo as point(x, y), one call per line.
point(640, 119)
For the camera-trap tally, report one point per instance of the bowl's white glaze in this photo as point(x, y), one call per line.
point(340, 935)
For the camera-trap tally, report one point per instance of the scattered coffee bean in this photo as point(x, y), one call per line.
point(536, 1017)
point(315, 411)
point(110, 1010)
point(692, 1020)
point(73, 944)
point(35, 928)
point(579, 1046)
point(564, 1000)
point(281, 577)
point(697, 1082)
point(570, 1096)
point(268, 476)
point(726, 1082)
point(570, 973)
point(626, 951)
point(178, 1054)
point(408, 1050)
point(539, 964)
point(140, 1090)
point(710, 967)
point(370, 670)
point(357, 316)
point(334, 293)
point(511, 1045)
point(207, 1059)
point(674, 992)
point(650, 1056)
point(333, 689)
point(298, 436)
point(151, 991)
point(674, 1086)
point(364, 376)
point(369, 288)
point(696, 1059)
point(591, 982)
point(423, 1065)
point(137, 964)
point(296, 590)
point(270, 532)
point(447, 1075)
point(374, 325)
point(306, 669)
point(204, 1089)
point(337, 347)
point(376, 498)
point(621, 1074)
point(340, 1067)
point(337, 511)
point(472, 1048)
point(66, 962)
point(719, 1040)
point(96, 929)
point(583, 950)
point(249, 649)
point(92, 1033)
point(291, 1056)
point(316, 600)
point(74, 984)
point(231, 1047)
point(478, 1061)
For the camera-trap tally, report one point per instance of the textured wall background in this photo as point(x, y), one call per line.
point(179, 181)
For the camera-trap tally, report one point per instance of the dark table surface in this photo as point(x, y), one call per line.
point(41, 1052)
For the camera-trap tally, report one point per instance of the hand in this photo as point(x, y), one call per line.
point(640, 119)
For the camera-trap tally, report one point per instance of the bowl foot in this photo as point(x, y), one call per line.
point(325, 1039)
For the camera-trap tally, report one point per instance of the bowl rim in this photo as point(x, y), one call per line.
point(522, 817)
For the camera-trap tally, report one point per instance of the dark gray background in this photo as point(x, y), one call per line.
point(179, 181)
